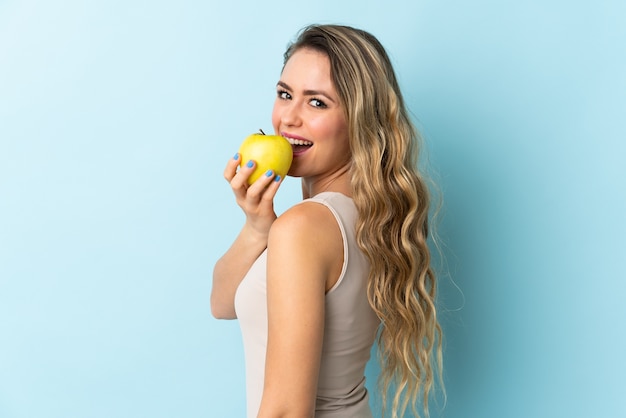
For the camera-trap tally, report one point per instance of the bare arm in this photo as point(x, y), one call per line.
point(305, 253)
point(257, 203)
point(231, 268)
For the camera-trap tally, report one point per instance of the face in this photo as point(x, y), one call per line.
point(309, 114)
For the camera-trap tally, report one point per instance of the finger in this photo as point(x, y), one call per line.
point(243, 174)
point(272, 188)
point(258, 188)
point(231, 167)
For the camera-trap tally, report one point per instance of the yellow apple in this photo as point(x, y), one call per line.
point(270, 152)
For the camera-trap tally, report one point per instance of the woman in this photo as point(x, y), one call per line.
point(313, 287)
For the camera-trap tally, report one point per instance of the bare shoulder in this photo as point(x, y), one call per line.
point(305, 218)
point(308, 224)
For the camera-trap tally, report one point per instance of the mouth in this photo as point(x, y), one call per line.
point(298, 144)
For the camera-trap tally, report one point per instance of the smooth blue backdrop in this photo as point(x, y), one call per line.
point(117, 118)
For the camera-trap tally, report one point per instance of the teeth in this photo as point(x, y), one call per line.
point(298, 142)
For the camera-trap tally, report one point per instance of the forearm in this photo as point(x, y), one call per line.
point(231, 268)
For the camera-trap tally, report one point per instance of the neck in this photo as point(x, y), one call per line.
point(337, 182)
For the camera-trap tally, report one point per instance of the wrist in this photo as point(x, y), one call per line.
point(256, 236)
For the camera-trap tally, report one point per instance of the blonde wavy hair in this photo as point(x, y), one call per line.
point(392, 199)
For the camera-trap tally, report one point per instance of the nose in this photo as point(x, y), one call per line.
point(290, 114)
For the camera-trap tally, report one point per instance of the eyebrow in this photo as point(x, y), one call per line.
point(307, 92)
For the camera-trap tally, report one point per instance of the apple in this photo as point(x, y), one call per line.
point(270, 152)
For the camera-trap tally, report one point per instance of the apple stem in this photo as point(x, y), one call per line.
point(262, 131)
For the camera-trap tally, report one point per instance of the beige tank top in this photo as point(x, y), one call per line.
point(349, 329)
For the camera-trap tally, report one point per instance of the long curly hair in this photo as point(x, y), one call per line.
point(392, 199)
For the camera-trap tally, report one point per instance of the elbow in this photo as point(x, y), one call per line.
point(221, 314)
point(222, 310)
point(216, 312)
point(279, 407)
point(286, 413)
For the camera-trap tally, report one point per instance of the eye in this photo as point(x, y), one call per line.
point(284, 95)
point(317, 103)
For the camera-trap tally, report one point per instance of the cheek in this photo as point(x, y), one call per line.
point(337, 129)
point(275, 119)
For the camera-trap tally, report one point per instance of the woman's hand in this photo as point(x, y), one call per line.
point(256, 200)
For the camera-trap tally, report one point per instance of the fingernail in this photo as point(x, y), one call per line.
point(236, 157)
point(277, 179)
point(269, 173)
point(250, 163)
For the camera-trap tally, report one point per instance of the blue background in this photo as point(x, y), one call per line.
point(117, 118)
